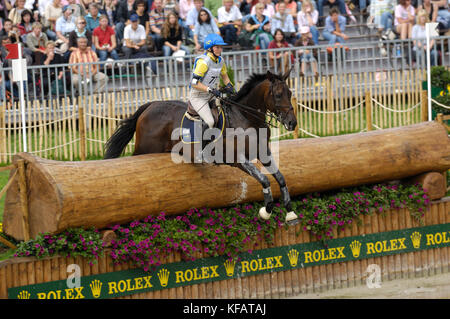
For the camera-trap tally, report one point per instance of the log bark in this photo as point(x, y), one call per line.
point(107, 192)
point(434, 184)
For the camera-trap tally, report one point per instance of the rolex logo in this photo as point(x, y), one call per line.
point(163, 276)
point(96, 288)
point(293, 257)
point(355, 246)
point(23, 295)
point(229, 267)
point(415, 238)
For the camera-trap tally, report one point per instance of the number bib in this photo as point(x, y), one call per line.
point(211, 76)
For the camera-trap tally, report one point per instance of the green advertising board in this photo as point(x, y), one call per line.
point(177, 274)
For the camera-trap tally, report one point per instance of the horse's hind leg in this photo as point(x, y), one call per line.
point(253, 171)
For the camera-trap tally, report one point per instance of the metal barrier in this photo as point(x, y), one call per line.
point(172, 74)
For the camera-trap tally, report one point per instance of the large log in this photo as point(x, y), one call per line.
point(105, 192)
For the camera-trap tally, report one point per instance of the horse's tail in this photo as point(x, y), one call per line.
point(123, 134)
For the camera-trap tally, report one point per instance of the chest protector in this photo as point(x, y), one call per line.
point(211, 77)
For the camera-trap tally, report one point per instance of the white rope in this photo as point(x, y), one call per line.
point(441, 105)
point(55, 147)
point(99, 141)
point(39, 125)
point(376, 126)
point(329, 112)
point(104, 117)
point(278, 136)
point(308, 133)
point(395, 111)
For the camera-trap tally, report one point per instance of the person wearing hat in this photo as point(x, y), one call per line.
point(64, 25)
point(208, 69)
point(135, 38)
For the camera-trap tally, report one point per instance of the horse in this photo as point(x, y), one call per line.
point(262, 95)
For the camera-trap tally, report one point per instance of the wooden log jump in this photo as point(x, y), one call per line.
point(106, 192)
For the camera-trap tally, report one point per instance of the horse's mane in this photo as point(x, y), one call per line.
point(250, 84)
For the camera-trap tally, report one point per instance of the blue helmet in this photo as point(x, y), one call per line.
point(213, 39)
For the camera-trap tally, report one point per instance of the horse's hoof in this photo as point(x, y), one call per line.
point(263, 213)
point(291, 216)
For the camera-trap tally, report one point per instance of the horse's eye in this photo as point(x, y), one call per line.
point(278, 96)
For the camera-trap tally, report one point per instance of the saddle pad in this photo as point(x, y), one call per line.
point(188, 128)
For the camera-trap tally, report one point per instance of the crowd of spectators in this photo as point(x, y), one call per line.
point(62, 31)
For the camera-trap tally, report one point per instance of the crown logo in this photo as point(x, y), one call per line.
point(24, 295)
point(293, 257)
point(415, 238)
point(163, 276)
point(229, 267)
point(96, 288)
point(355, 246)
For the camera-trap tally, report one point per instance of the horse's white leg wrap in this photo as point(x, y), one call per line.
point(263, 213)
point(291, 216)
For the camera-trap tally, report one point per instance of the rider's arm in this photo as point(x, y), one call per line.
point(199, 72)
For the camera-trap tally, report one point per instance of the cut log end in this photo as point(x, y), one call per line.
point(434, 184)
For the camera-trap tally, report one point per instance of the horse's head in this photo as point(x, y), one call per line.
point(279, 101)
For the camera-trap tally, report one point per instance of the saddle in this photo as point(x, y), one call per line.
point(193, 115)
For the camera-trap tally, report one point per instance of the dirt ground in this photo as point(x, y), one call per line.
point(434, 287)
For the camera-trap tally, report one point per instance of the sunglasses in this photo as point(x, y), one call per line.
point(81, 22)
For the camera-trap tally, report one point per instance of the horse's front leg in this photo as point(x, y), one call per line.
point(271, 166)
point(253, 171)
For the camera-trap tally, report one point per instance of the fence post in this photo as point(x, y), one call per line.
point(369, 111)
point(440, 118)
point(330, 107)
point(424, 104)
point(81, 128)
point(23, 199)
point(294, 103)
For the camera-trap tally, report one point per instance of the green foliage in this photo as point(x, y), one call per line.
point(72, 242)
point(444, 99)
point(440, 76)
point(228, 231)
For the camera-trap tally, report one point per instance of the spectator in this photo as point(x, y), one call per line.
point(283, 21)
point(171, 6)
point(109, 8)
point(26, 24)
point(135, 38)
point(332, 3)
point(156, 22)
point(37, 43)
point(171, 35)
point(213, 6)
point(291, 7)
point(381, 13)
point(269, 9)
point(52, 12)
point(104, 39)
point(335, 27)
point(77, 9)
point(230, 21)
point(185, 7)
point(64, 25)
point(124, 10)
point(246, 8)
point(306, 55)
point(404, 18)
point(80, 31)
point(308, 17)
point(93, 17)
point(443, 14)
point(9, 31)
point(259, 26)
point(431, 8)
point(143, 16)
point(203, 27)
point(279, 61)
point(192, 16)
point(53, 78)
point(419, 36)
point(88, 71)
point(15, 13)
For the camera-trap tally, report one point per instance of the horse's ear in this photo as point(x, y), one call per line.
point(286, 75)
point(270, 76)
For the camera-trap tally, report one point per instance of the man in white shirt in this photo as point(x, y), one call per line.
point(230, 19)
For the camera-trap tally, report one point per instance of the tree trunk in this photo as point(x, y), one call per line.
point(107, 192)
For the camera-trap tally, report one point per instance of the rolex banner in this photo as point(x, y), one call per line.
point(263, 261)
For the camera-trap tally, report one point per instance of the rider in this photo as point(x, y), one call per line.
point(205, 78)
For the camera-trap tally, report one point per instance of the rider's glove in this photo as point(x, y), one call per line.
point(229, 89)
point(214, 92)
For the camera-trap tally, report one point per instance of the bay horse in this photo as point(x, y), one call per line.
point(261, 95)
